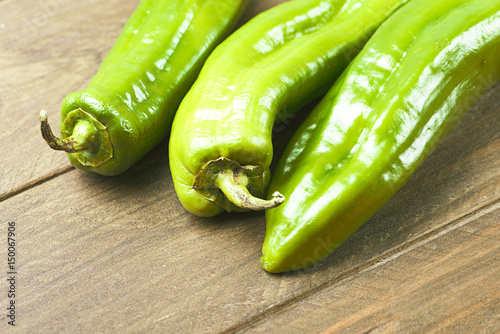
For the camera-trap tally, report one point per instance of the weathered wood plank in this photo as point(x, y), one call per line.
point(446, 283)
point(99, 254)
point(49, 49)
point(120, 253)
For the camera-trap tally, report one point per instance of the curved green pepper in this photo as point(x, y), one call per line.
point(220, 145)
point(130, 103)
point(411, 84)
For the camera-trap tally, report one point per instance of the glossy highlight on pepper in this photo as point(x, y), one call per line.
point(261, 74)
point(129, 105)
point(410, 85)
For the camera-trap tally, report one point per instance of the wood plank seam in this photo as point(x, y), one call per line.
point(385, 257)
point(36, 182)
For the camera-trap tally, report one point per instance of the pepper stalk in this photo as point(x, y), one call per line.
point(84, 137)
point(228, 184)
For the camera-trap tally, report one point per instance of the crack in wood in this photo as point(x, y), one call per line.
point(36, 182)
point(385, 257)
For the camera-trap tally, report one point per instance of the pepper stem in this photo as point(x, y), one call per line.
point(234, 186)
point(69, 144)
point(85, 138)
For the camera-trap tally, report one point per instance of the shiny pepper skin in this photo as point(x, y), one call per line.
point(409, 86)
point(220, 146)
point(129, 105)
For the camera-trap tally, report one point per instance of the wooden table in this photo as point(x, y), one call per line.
point(120, 254)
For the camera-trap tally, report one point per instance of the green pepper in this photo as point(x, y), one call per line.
point(409, 86)
point(129, 105)
point(220, 146)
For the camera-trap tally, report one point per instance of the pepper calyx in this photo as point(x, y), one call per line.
point(83, 136)
point(234, 187)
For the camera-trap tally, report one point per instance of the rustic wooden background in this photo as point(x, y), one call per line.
point(120, 254)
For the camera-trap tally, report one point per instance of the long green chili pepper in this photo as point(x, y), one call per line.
point(130, 103)
point(411, 84)
point(220, 145)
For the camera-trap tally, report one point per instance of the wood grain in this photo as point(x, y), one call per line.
point(442, 283)
point(49, 49)
point(120, 254)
